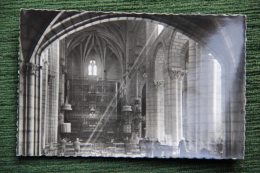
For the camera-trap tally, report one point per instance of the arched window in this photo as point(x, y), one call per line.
point(92, 68)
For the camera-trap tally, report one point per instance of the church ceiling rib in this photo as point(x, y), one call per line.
point(115, 50)
point(86, 48)
point(114, 35)
point(84, 56)
point(103, 36)
point(111, 35)
point(101, 49)
point(136, 25)
point(112, 28)
point(135, 32)
point(90, 41)
point(98, 51)
point(121, 28)
point(76, 53)
point(115, 39)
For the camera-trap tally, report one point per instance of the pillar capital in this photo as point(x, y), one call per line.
point(158, 84)
point(176, 73)
point(64, 69)
point(32, 68)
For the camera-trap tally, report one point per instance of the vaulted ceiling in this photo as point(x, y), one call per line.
point(106, 39)
point(40, 28)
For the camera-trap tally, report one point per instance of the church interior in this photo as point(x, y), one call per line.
point(130, 87)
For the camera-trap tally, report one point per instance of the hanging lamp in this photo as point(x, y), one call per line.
point(66, 106)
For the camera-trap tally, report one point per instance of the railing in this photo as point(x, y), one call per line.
point(143, 149)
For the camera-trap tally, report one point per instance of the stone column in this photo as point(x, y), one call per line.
point(61, 102)
point(44, 104)
point(180, 84)
point(62, 73)
point(151, 106)
point(191, 97)
point(21, 145)
point(38, 106)
point(174, 126)
point(204, 103)
point(136, 122)
point(167, 107)
point(31, 71)
point(53, 93)
point(237, 116)
point(160, 126)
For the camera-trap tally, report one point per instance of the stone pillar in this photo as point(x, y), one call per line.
point(191, 98)
point(237, 116)
point(62, 73)
point(151, 109)
point(53, 93)
point(199, 81)
point(40, 115)
point(38, 106)
point(180, 84)
point(21, 145)
point(160, 126)
point(32, 68)
point(61, 102)
point(204, 102)
point(174, 126)
point(136, 122)
point(167, 107)
point(44, 103)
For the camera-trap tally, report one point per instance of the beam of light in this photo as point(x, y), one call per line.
point(115, 96)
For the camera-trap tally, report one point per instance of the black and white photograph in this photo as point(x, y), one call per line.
point(133, 85)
